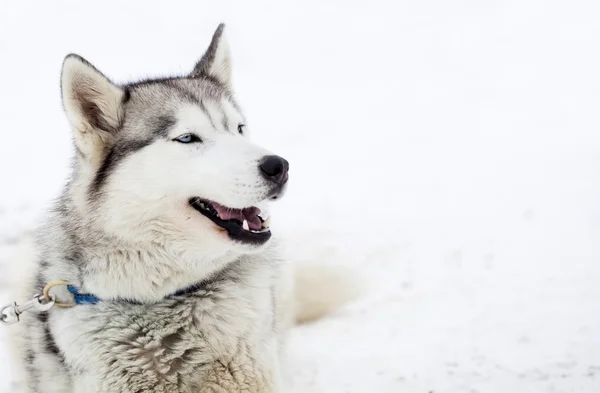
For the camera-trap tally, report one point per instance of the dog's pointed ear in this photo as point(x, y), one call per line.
point(93, 104)
point(216, 62)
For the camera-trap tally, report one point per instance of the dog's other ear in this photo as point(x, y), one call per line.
point(216, 62)
point(93, 104)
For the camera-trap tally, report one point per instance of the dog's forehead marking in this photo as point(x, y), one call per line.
point(194, 117)
point(208, 115)
point(207, 112)
point(168, 96)
point(230, 111)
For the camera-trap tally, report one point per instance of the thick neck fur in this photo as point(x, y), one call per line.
point(76, 250)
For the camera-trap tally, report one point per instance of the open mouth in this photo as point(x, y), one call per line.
point(243, 225)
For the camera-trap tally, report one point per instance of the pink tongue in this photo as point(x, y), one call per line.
point(249, 214)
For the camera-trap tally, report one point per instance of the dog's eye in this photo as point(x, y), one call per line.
point(241, 128)
point(188, 138)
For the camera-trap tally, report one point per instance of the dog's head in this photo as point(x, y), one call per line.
point(170, 159)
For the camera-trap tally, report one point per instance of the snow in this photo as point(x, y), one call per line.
point(447, 151)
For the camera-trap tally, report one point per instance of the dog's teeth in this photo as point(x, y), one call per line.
point(267, 223)
point(245, 225)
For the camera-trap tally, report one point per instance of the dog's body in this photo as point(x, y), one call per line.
point(162, 223)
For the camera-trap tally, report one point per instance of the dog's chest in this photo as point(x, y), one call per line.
point(223, 335)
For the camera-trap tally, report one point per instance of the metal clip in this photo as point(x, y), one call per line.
point(11, 313)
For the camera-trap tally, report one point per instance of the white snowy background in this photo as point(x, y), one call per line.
point(448, 151)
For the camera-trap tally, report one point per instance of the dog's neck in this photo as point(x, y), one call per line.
point(146, 276)
point(111, 268)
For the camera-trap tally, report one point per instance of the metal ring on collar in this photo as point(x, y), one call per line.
point(48, 297)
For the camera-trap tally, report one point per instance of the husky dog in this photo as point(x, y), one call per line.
point(163, 234)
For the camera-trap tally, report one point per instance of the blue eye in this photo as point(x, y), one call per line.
point(188, 138)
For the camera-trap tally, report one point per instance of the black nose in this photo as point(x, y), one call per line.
point(275, 169)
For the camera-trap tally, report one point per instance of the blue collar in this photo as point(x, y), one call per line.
point(86, 298)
